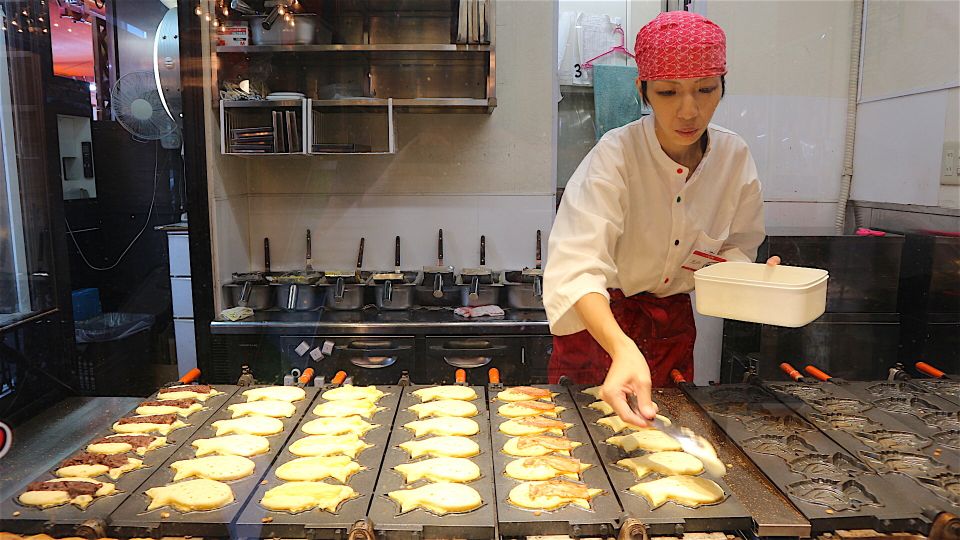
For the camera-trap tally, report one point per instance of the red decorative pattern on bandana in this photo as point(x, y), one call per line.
point(680, 45)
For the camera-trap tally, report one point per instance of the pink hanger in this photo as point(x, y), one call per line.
point(619, 48)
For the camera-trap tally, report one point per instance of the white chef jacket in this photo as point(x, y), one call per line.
point(629, 218)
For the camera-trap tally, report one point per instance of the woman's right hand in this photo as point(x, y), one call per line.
point(628, 375)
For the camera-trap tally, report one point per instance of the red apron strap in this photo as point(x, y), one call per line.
point(663, 329)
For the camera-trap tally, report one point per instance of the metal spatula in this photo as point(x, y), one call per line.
point(693, 444)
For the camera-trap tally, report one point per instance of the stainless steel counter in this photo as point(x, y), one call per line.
point(435, 321)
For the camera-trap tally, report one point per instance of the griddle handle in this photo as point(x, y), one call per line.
point(440, 248)
point(483, 250)
point(266, 254)
point(339, 377)
point(190, 376)
point(460, 376)
point(539, 258)
point(927, 369)
point(307, 376)
point(396, 256)
point(494, 375)
point(309, 246)
point(677, 377)
point(791, 371)
point(360, 256)
point(817, 373)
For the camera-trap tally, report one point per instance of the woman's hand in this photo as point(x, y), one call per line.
point(629, 374)
point(773, 261)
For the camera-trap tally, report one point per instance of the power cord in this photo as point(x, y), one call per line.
point(153, 200)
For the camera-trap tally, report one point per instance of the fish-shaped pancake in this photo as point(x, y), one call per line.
point(338, 425)
point(442, 446)
point(221, 468)
point(691, 491)
point(311, 469)
point(264, 407)
point(232, 445)
point(539, 445)
point(533, 425)
point(457, 392)
point(278, 393)
point(440, 498)
point(443, 425)
point(529, 408)
point(445, 407)
point(440, 469)
point(192, 495)
point(552, 494)
point(545, 468)
point(524, 393)
point(296, 497)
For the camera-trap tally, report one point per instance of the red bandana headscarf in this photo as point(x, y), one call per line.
point(680, 45)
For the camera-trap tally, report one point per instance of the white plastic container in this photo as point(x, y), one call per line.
point(791, 296)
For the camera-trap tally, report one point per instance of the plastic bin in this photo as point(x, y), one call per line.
point(113, 351)
point(790, 296)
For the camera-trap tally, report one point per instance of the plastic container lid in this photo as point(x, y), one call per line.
point(763, 275)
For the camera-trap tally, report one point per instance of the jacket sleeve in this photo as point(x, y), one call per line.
point(747, 230)
point(583, 240)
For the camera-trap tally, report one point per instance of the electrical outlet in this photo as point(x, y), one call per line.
point(949, 164)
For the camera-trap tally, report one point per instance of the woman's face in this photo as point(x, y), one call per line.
point(683, 108)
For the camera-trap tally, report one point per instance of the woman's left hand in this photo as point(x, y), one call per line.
point(773, 261)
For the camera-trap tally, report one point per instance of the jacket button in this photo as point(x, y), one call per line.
point(676, 242)
point(678, 199)
point(666, 280)
point(679, 171)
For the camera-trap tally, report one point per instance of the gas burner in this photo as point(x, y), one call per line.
point(840, 405)
point(904, 462)
point(843, 422)
point(838, 496)
point(800, 391)
point(776, 445)
point(906, 405)
point(780, 425)
point(902, 441)
point(837, 467)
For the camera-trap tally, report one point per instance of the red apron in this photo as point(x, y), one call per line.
point(663, 328)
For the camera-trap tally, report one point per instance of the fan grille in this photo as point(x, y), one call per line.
point(138, 107)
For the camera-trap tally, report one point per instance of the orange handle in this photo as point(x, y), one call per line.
point(339, 377)
point(677, 376)
point(817, 374)
point(306, 377)
point(927, 369)
point(791, 371)
point(460, 376)
point(190, 376)
point(494, 375)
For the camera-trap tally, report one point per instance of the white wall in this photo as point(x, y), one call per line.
point(908, 106)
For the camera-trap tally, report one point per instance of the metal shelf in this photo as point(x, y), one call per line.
point(261, 103)
point(382, 47)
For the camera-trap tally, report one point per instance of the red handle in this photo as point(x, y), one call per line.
point(461, 376)
point(791, 371)
point(306, 377)
point(927, 369)
point(339, 377)
point(677, 376)
point(494, 375)
point(817, 374)
point(190, 376)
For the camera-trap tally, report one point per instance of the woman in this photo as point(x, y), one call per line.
point(653, 201)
